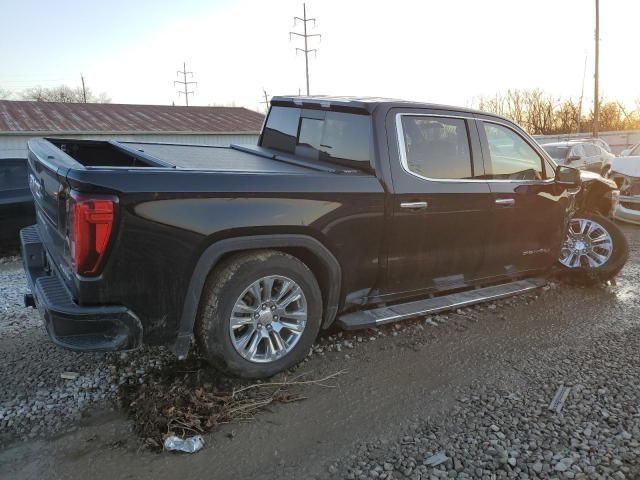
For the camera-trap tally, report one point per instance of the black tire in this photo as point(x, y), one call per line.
point(222, 289)
point(585, 275)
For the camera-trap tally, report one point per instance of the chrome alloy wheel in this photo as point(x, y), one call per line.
point(268, 319)
point(587, 244)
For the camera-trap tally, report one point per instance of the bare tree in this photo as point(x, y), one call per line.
point(64, 94)
point(5, 94)
point(539, 113)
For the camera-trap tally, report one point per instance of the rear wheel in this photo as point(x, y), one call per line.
point(260, 314)
point(594, 249)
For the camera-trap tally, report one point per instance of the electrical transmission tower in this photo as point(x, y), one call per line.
point(306, 37)
point(266, 99)
point(185, 83)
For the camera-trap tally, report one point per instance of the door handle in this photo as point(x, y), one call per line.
point(415, 205)
point(505, 202)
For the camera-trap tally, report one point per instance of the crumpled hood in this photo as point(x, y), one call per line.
point(592, 177)
point(629, 166)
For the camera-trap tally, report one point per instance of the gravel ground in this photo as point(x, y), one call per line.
point(35, 400)
point(511, 433)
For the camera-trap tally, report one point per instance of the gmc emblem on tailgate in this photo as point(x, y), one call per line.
point(35, 186)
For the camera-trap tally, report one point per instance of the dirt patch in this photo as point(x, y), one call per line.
point(193, 398)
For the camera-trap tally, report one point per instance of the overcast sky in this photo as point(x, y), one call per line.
point(444, 51)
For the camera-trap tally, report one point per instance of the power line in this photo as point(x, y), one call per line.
point(306, 36)
point(185, 83)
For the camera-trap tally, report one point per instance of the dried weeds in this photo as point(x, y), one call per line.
point(197, 400)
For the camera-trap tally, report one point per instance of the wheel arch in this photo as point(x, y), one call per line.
point(307, 249)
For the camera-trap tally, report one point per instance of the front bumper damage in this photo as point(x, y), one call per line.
point(628, 205)
point(72, 326)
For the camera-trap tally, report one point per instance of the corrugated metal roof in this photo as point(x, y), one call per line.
point(41, 117)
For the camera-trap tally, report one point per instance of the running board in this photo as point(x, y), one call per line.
point(394, 313)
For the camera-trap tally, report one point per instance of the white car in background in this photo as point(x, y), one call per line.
point(625, 171)
point(582, 154)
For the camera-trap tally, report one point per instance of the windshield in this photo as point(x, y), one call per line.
point(635, 150)
point(557, 152)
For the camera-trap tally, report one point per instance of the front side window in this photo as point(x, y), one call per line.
point(510, 156)
point(578, 151)
point(591, 150)
point(437, 147)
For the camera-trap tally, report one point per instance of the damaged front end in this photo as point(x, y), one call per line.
point(628, 208)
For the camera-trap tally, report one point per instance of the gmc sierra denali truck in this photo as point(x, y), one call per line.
point(349, 210)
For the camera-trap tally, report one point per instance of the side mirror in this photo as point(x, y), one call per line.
point(625, 153)
point(573, 158)
point(568, 176)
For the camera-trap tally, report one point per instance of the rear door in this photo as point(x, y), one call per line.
point(441, 211)
point(528, 219)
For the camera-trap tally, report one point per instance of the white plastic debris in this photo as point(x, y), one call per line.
point(558, 401)
point(188, 445)
point(69, 375)
point(437, 459)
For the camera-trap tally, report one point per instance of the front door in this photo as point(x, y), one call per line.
point(529, 208)
point(441, 206)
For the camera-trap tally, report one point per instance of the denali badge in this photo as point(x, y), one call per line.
point(536, 252)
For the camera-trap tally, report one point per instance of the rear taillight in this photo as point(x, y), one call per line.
point(90, 223)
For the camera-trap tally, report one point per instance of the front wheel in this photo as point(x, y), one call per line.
point(594, 249)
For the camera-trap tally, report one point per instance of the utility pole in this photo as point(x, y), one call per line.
point(596, 99)
point(584, 74)
point(306, 36)
point(185, 83)
point(266, 99)
point(84, 90)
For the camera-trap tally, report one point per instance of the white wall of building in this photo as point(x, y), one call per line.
point(15, 146)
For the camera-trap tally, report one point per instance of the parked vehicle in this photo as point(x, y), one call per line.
point(579, 154)
point(16, 203)
point(625, 171)
point(631, 152)
point(599, 142)
point(349, 210)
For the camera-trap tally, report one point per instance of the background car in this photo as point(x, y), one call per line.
point(16, 203)
point(579, 154)
point(633, 151)
point(596, 141)
point(625, 171)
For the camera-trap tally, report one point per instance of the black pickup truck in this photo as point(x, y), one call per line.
point(350, 211)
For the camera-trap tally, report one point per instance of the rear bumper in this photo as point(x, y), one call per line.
point(71, 326)
point(625, 214)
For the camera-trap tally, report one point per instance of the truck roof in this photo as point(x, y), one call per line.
point(362, 104)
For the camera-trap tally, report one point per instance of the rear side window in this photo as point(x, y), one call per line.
point(510, 156)
point(337, 137)
point(437, 147)
point(281, 129)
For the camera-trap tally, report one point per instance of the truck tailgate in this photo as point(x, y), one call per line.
point(47, 169)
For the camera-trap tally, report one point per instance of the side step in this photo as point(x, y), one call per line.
point(394, 313)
